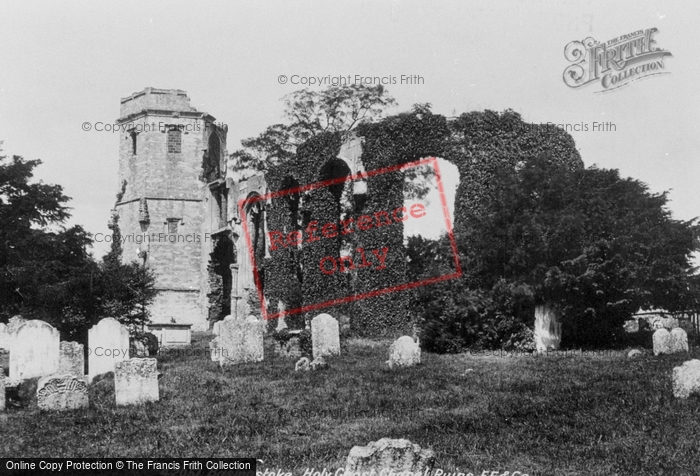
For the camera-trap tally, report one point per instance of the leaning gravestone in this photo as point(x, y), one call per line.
point(388, 456)
point(686, 379)
point(679, 340)
point(662, 341)
point(404, 352)
point(61, 392)
point(108, 343)
point(325, 336)
point(72, 359)
point(35, 351)
point(240, 340)
point(136, 381)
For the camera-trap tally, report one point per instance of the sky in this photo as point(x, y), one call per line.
point(63, 64)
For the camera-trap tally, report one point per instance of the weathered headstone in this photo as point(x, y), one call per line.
point(679, 340)
point(325, 336)
point(547, 327)
point(662, 341)
point(388, 456)
point(404, 352)
point(302, 364)
point(136, 381)
point(217, 328)
point(72, 359)
point(686, 379)
point(4, 337)
point(108, 343)
point(240, 340)
point(35, 351)
point(2, 390)
point(61, 392)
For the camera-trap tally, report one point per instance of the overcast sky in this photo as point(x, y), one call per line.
point(62, 64)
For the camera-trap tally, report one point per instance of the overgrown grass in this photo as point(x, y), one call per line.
point(564, 415)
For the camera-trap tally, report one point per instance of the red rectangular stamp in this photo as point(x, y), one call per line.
point(336, 229)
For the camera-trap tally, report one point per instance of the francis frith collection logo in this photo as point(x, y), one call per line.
point(615, 63)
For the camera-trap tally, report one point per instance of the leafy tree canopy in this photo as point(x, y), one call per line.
point(46, 271)
point(599, 245)
point(310, 113)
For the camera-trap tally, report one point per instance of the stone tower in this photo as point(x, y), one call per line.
point(172, 206)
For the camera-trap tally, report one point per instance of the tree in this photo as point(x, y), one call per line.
point(46, 271)
point(587, 243)
point(310, 113)
point(35, 250)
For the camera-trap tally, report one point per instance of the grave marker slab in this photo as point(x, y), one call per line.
point(72, 359)
point(35, 351)
point(108, 343)
point(325, 336)
point(679, 340)
point(686, 379)
point(404, 352)
point(388, 456)
point(136, 381)
point(662, 341)
point(61, 392)
point(240, 340)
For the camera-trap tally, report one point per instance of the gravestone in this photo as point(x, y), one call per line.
point(217, 328)
point(634, 353)
point(404, 352)
point(325, 336)
point(136, 381)
point(679, 340)
point(662, 341)
point(61, 392)
point(72, 359)
point(388, 456)
point(2, 390)
point(686, 379)
point(4, 337)
point(35, 351)
point(240, 340)
point(108, 344)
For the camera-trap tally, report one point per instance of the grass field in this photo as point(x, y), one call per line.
point(552, 415)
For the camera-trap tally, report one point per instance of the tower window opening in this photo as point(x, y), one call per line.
point(172, 225)
point(133, 142)
point(174, 141)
